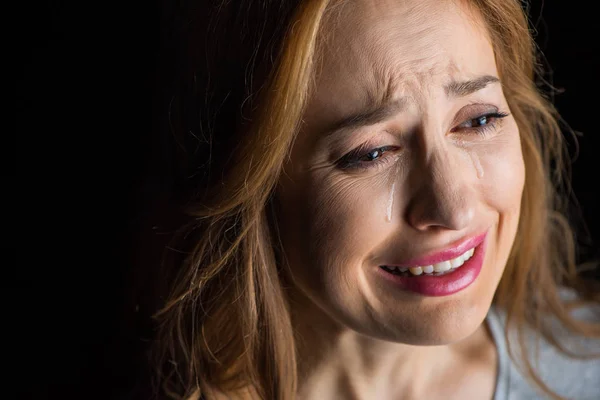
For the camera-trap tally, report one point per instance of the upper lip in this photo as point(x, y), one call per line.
point(446, 254)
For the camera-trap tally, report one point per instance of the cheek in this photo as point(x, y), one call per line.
point(502, 189)
point(503, 174)
point(330, 224)
point(345, 218)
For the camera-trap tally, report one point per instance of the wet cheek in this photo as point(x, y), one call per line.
point(346, 218)
point(504, 176)
point(348, 209)
point(330, 224)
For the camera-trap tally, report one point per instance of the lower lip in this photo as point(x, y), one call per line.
point(442, 285)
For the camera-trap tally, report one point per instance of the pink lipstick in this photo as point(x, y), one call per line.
point(439, 283)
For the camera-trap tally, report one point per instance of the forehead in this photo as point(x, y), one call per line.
point(376, 49)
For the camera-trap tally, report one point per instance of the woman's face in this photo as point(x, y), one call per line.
point(408, 157)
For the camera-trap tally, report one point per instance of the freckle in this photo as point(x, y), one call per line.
point(477, 164)
point(391, 203)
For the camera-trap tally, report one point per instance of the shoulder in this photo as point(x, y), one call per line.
point(574, 378)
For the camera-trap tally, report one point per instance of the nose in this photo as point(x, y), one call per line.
point(442, 197)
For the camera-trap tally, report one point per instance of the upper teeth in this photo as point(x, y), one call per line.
point(439, 267)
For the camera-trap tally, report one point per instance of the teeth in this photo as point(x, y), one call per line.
point(457, 262)
point(443, 266)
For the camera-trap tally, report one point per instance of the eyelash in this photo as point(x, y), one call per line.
point(352, 160)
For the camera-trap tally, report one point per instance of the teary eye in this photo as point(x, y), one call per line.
point(363, 158)
point(481, 123)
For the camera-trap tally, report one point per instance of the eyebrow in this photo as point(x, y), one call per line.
point(387, 109)
point(464, 88)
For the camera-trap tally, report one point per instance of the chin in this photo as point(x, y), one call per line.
point(428, 321)
point(437, 326)
point(413, 319)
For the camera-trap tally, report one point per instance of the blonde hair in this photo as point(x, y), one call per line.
point(226, 323)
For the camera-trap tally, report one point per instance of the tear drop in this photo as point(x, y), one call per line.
point(390, 204)
point(477, 165)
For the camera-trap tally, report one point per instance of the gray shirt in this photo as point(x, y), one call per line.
point(571, 378)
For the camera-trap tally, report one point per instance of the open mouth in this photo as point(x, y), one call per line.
point(441, 277)
point(438, 269)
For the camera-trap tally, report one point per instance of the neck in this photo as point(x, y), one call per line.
point(335, 361)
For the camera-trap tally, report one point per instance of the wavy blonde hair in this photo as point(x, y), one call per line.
point(226, 323)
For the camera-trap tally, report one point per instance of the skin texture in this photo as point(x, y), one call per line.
point(439, 181)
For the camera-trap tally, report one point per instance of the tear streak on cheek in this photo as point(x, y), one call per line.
point(390, 204)
point(476, 164)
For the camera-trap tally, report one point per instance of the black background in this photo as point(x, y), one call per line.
point(89, 125)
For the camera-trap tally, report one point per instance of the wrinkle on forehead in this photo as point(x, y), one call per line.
point(394, 48)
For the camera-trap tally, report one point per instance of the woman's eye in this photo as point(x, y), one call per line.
point(373, 155)
point(363, 158)
point(481, 123)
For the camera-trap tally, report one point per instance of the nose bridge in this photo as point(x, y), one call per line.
point(443, 170)
point(443, 197)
